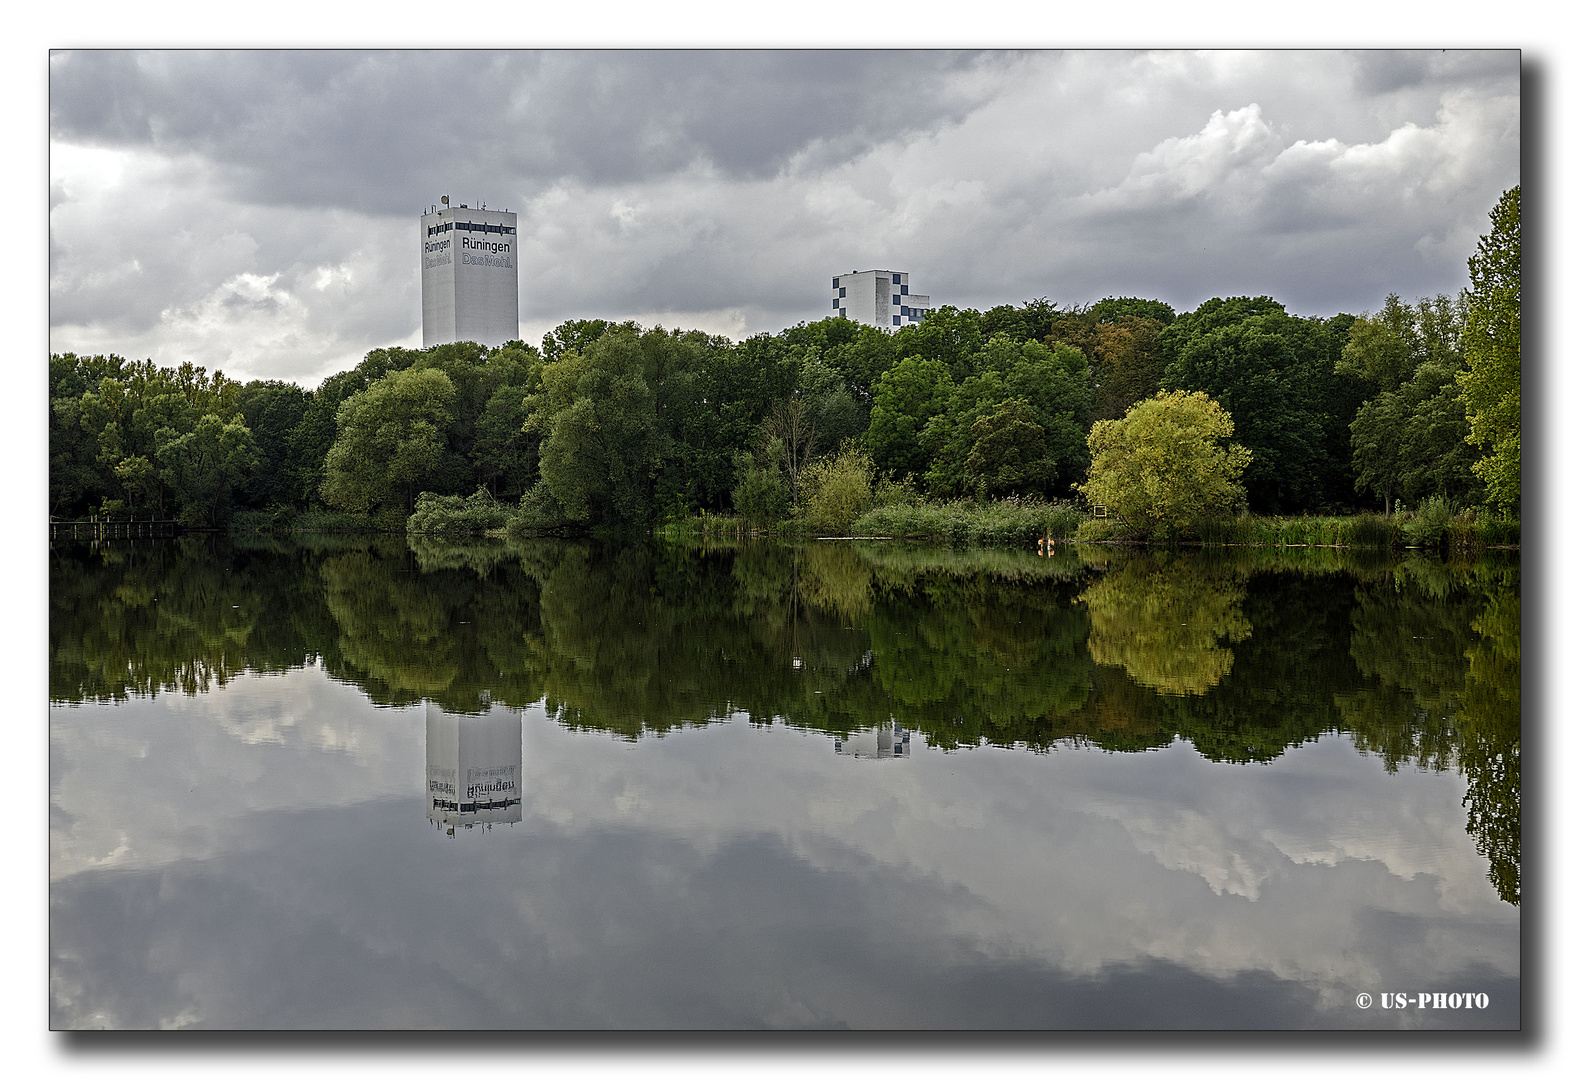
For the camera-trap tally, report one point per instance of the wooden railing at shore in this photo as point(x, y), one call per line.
point(111, 529)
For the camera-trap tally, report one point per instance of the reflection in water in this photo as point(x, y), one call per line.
point(1243, 655)
point(1163, 620)
point(884, 741)
point(710, 870)
point(473, 767)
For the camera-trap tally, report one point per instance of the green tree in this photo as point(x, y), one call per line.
point(597, 416)
point(1380, 348)
point(205, 467)
point(574, 335)
point(506, 456)
point(946, 334)
point(391, 442)
point(272, 410)
point(761, 495)
point(908, 395)
point(1274, 374)
point(1051, 381)
point(1008, 452)
point(1116, 309)
point(1491, 342)
point(1164, 466)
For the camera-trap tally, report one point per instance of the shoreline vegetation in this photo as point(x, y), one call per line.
point(1002, 523)
point(1122, 421)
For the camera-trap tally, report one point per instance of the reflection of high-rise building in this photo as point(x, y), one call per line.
point(469, 275)
point(473, 767)
point(884, 741)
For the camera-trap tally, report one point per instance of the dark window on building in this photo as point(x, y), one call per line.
point(904, 290)
point(836, 303)
point(896, 279)
point(836, 283)
point(842, 292)
point(903, 310)
point(896, 320)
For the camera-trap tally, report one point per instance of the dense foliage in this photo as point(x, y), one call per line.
point(615, 426)
point(1491, 340)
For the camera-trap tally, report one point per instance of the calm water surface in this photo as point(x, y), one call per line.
point(345, 783)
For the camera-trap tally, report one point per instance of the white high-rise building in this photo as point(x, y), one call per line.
point(880, 298)
point(469, 275)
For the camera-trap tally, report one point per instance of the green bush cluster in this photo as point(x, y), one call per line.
point(454, 515)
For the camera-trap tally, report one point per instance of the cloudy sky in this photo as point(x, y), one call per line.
point(257, 211)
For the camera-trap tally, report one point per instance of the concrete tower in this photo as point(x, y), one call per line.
point(469, 275)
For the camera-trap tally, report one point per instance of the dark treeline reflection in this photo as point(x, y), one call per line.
point(1241, 654)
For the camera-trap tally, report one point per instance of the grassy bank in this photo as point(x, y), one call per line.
point(1433, 526)
point(967, 521)
point(289, 520)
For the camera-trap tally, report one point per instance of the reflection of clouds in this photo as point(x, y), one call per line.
point(736, 875)
point(174, 777)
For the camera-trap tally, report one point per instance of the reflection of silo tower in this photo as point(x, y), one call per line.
point(884, 741)
point(473, 767)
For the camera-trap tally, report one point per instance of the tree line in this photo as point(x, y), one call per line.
point(609, 424)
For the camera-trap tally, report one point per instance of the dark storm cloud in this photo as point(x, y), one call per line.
point(381, 131)
point(1384, 71)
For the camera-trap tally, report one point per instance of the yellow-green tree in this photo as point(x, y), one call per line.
point(1491, 342)
point(1164, 467)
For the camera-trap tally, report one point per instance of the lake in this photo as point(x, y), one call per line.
point(359, 782)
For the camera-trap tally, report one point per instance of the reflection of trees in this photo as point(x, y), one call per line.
point(1281, 690)
point(1420, 662)
point(1490, 726)
point(1441, 644)
point(174, 615)
point(966, 660)
point(1162, 621)
point(616, 653)
point(404, 635)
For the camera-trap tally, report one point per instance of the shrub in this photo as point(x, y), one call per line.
point(1097, 530)
point(1005, 521)
point(539, 512)
point(1427, 528)
point(454, 515)
point(761, 495)
point(1371, 531)
point(836, 490)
